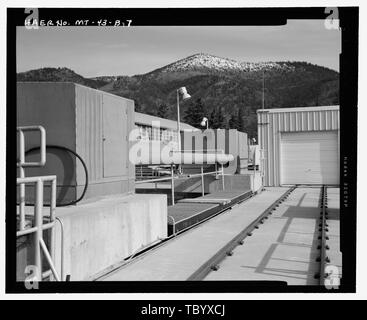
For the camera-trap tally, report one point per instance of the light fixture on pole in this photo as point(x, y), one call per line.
point(205, 122)
point(183, 92)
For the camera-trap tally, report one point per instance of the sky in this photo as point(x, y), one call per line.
point(98, 51)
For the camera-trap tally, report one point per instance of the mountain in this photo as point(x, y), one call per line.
point(104, 79)
point(60, 75)
point(207, 63)
point(220, 83)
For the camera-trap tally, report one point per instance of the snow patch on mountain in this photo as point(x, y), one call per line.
point(202, 61)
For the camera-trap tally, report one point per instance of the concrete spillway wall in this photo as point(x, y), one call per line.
point(100, 234)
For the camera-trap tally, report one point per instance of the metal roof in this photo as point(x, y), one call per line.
point(146, 119)
point(140, 118)
point(298, 109)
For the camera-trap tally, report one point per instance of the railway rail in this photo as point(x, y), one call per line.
point(213, 263)
point(322, 259)
point(291, 244)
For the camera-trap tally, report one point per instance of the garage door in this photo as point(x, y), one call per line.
point(309, 158)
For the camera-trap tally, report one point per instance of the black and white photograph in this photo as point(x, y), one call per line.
point(183, 150)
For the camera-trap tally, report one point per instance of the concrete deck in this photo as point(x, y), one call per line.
point(181, 256)
point(284, 248)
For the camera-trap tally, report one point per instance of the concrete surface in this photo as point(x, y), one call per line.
point(284, 248)
point(180, 257)
point(100, 233)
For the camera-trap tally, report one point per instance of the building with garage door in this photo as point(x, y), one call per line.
point(300, 145)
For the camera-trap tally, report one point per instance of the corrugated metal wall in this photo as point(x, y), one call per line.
point(271, 123)
point(72, 115)
point(90, 107)
point(89, 133)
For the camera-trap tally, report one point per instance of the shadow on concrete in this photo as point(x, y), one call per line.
point(294, 212)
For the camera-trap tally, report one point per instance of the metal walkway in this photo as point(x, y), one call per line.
point(178, 258)
point(191, 211)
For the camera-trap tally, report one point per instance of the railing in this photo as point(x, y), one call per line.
point(151, 171)
point(21, 164)
point(39, 226)
point(38, 220)
point(174, 177)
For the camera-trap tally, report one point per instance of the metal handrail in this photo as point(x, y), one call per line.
point(62, 246)
point(22, 163)
point(174, 177)
point(201, 150)
point(38, 225)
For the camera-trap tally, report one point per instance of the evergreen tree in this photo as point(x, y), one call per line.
point(240, 116)
point(163, 111)
point(216, 119)
point(137, 106)
point(220, 118)
point(195, 113)
point(212, 119)
point(233, 123)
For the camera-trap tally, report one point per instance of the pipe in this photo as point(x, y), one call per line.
point(49, 259)
point(202, 181)
point(62, 246)
point(22, 185)
point(172, 186)
point(42, 162)
point(223, 177)
point(52, 218)
point(189, 158)
point(38, 224)
point(45, 226)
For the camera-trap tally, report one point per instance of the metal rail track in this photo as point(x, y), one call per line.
point(323, 237)
point(213, 263)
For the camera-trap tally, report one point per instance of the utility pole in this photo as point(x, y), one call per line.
point(263, 102)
